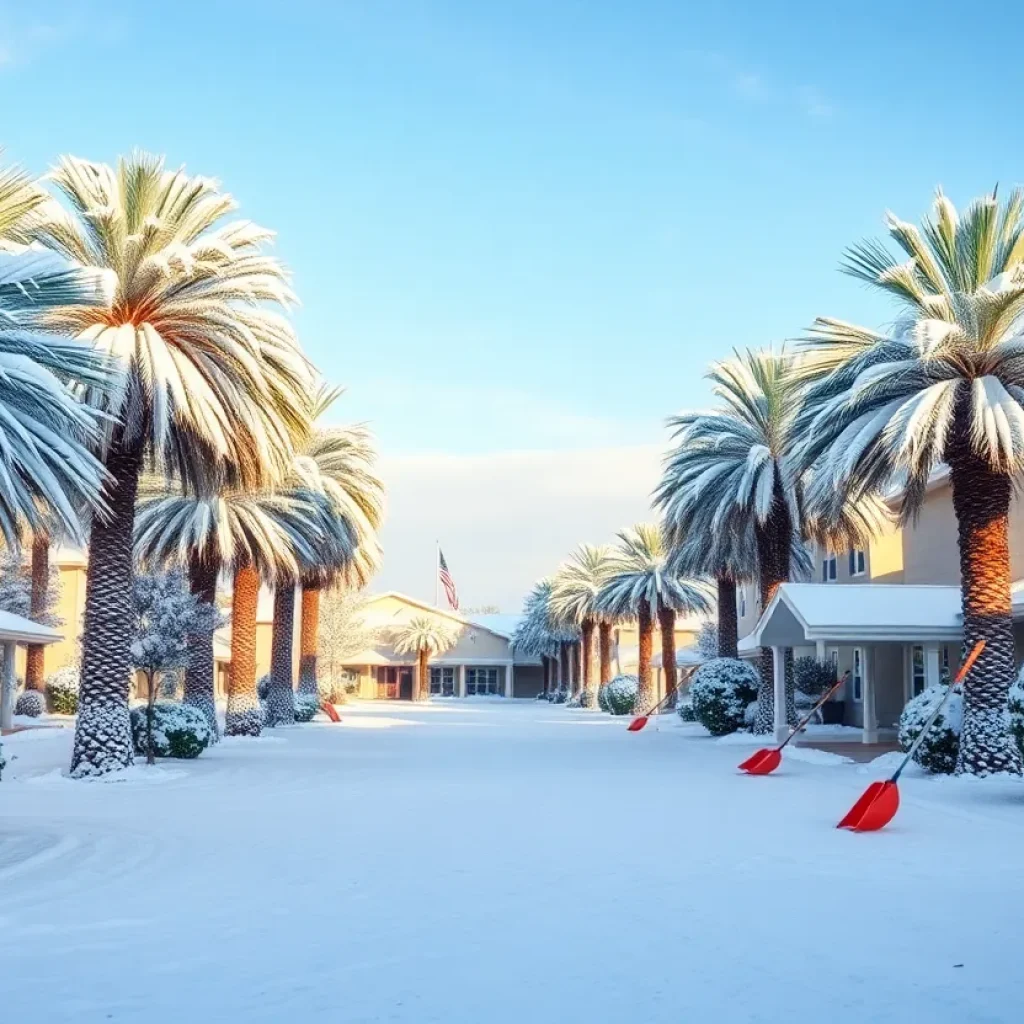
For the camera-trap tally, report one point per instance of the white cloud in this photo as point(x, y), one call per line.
point(508, 518)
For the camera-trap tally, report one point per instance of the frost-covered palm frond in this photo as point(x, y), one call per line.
point(638, 573)
point(949, 254)
point(539, 633)
point(47, 474)
point(883, 410)
point(280, 534)
point(736, 459)
point(214, 383)
point(424, 633)
point(577, 583)
point(339, 462)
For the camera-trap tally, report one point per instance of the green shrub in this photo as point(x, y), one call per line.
point(30, 703)
point(686, 711)
point(621, 695)
point(179, 730)
point(813, 677)
point(602, 698)
point(939, 748)
point(306, 707)
point(62, 686)
point(720, 692)
point(1016, 708)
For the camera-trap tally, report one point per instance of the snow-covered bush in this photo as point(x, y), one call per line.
point(559, 696)
point(602, 697)
point(263, 686)
point(621, 695)
point(62, 686)
point(179, 730)
point(750, 715)
point(813, 677)
point(587, 698)
point(686, 711)
point(31, 703)
point(720, 692)
point(938, 750)
point(574, 701)
point(305, 707)
point(335, 689)
point(1017, 710)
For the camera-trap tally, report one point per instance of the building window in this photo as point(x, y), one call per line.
point(828, 568)
point(945, 676)
point(918, 672)
point(442, 681)
point(483, 681)
point(858, 673)
point(858, 562)
point(743, 601)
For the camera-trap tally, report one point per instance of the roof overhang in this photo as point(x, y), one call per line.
point(19, 630)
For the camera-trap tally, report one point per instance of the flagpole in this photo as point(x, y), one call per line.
point(437, 573)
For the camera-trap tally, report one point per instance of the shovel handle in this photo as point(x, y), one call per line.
point(810, 714)
point(957, 680)
point(661, 703)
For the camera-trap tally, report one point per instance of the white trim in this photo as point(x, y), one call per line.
point(779, 681)
point(853, 674)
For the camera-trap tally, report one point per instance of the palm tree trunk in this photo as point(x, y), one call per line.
point(35, 657)
point(103, 738)
point(245, 716)
point(421, 684)
point(200, 673)
point(981, 502)
point(728, 622)
point(309, 633)
point(604, 652)
point(545, 666)
point(774, 538)
point(645, 692)
point(564, 682)
point(281, 694)
point(667, 622)
point(588, 693)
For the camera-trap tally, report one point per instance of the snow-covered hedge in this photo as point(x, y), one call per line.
point(559, 696)
point(305, 707)
point(62, 686)
point(31, 703)
point(263, 686)
point(621, 695)
point(686, 711)
point(179, 730)
point(602, 697)
point(939, 749)
point(1017, 710)
point(574, 701)
point(720, 692)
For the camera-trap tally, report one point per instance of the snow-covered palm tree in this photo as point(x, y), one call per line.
point(639, 586)
point(944, 385)
point(539, 635)
point(259, 537)
point(424, 636)
point(214, 386)
point(573, 601)
point(339, 462)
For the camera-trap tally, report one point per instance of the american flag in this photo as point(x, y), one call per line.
point(447, 582)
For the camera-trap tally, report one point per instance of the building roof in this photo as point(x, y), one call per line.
point(479, 621)
point(503, 625)
point(871, 612)
point(20, 630)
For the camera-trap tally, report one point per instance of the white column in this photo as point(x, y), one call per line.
point(932, 665)
point(7, 687)
point(819, 650)
point(509, 687)
point(869, 732)
point(779, 669)
point(462, 681)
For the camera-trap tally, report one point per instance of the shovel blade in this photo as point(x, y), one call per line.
point(328, 709)
point(762, 762)
point(876, 807)
point(637, 724)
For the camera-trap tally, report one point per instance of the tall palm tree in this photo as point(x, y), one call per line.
point(639, 586)
point(338, 461)
point(944, 385)
point(536, 634)
point(573, 600)
point(258, 537)
point(424, 636)
point(213, 380)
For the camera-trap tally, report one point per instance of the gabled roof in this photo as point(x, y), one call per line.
point(443, 613)
point(20, 630)
point(871, 612)
point(502, 625)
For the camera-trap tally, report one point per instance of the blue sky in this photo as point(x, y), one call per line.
point(530, 225)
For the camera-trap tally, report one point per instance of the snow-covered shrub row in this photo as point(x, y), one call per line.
point(559, 696)
point(939, 749)
point(179, 730)
point(31, 703)
point(62, 686)
point(574, 701)
point(305, 707)
point(621, 695)
point(720, 692)
point(602, 697)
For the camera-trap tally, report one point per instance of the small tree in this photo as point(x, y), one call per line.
point(166, 615)
point(707, 641)
point(424, 636)
point(16, 590)
point(343, 630)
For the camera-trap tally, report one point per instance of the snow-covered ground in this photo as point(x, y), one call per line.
point(500, 864)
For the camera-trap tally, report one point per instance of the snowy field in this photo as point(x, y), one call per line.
point(514, 864)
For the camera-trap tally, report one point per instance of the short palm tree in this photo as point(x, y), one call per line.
point(639, 586)
point(540, 635)
point(338, 461)
point(945, 385)
point(259, 537)
point(573, 601)
point(424, 636)
point(213, 380)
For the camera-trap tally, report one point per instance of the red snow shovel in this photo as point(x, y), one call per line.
point(328, 709)
point(881, 800)
point(641, 720)
point(767, 759)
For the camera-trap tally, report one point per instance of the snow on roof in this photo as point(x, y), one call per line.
point(802, 612)
point(686, 657)
point(503, 625)
point(25, 631)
